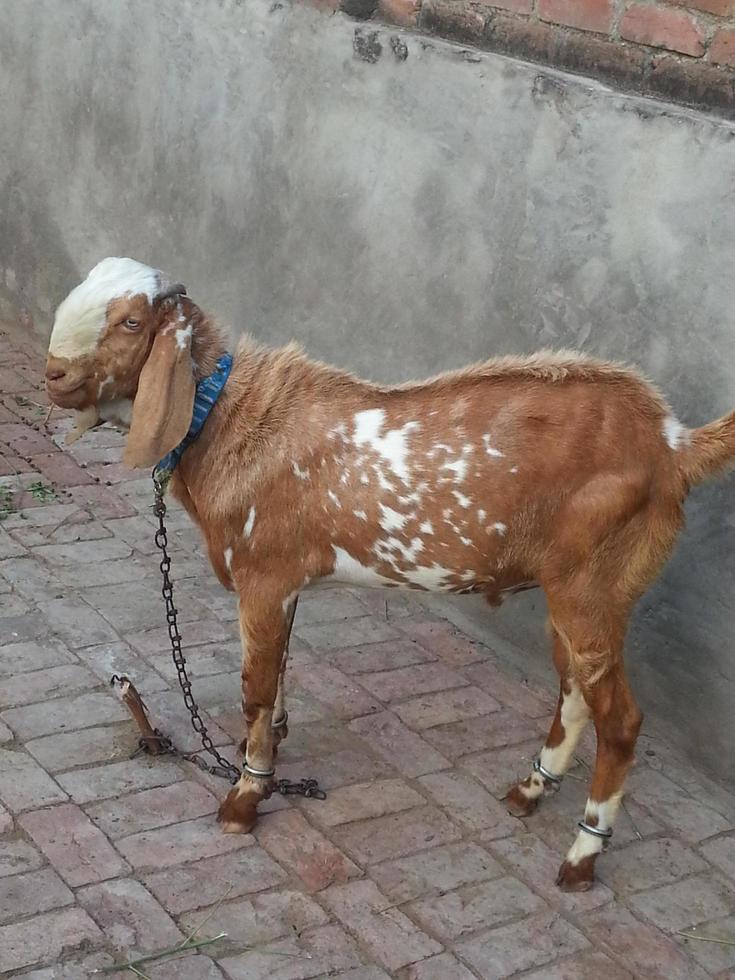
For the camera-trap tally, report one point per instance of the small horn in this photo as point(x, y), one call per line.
point(167, 289)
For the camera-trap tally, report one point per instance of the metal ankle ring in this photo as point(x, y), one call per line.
point(281, 721)
point(537, 767)
point(258, 773)
point(595, 831)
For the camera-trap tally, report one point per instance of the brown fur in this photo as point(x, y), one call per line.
point(563, 452)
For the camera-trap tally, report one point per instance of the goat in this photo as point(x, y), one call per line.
point(554, 470)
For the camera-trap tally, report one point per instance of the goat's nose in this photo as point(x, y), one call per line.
point(55, 373)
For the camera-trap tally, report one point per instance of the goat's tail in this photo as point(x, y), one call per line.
point(710, 450)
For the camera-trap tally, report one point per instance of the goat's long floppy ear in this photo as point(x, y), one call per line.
point(165, 398)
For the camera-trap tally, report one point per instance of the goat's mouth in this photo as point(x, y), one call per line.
point(67, 394)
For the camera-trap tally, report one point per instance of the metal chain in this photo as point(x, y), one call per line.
point(224, 768)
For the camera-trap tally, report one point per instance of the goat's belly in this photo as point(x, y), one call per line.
point(417, 576)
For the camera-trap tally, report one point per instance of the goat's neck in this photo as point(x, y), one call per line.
point(207, 345)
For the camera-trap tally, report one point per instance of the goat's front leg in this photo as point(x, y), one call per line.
point(280, 715)
point(264, 628)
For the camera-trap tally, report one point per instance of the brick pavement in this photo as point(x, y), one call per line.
point(411, 869)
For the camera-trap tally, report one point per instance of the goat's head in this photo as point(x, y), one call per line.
point(122, 340)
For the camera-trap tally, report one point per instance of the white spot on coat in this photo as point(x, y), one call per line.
point(460, 469)
point(349, 571)
point(301, 474)
point(393, 447)
point(430, 577)
point(499, 527)
point(367, 425)
point(391, 520)
point(248, 526)
point(675, 434)
point(490, 450)
point(228, 558)
point(334, 498)
point(426, 528)
point(360, 514)
point(183, 337)
point(461, 499)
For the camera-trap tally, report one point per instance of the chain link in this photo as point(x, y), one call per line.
point(222, 767)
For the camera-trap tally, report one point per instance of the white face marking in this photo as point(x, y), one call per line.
point(490, 450)
point(675, 434)
point(301, 474)
point(391, 520)
point(228, 558)
point(426, 528)
point(499, 527)
point(248, 526)
point(183, 337)
point(81, 317)
point(461, 499)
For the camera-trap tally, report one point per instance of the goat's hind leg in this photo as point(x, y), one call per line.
point(570, 719)
point(617, 721)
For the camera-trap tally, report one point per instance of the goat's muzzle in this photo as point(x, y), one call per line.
point(66, 385)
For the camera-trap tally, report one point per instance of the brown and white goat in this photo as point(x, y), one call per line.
point(554, 470)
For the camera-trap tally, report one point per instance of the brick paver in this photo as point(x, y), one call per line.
point(411, 870)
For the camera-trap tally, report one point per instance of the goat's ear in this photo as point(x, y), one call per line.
point(165, 398)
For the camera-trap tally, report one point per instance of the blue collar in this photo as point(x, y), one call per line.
point(207, 392)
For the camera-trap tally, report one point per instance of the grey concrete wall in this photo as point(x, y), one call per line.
point(398, 216)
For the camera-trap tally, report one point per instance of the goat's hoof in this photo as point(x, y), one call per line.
point(238, 812)
point(577, 877)
point(518, 804)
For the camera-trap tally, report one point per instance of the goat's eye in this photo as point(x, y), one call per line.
point(132, 324)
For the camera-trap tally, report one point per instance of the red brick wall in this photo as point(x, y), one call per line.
point(681, 50)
